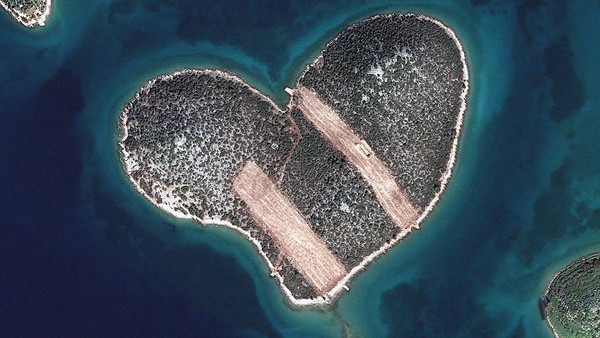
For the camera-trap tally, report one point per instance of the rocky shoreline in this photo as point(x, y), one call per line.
point(30, 13)
point(571, 301)
point(185, 136)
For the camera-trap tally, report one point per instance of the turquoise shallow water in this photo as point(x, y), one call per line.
point(84, 254)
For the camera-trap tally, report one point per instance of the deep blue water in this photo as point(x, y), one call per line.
point(82, 254)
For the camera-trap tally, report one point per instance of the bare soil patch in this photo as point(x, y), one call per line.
point(280, 219)
point(391, 197)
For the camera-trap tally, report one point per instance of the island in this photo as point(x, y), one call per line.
point(356, 161)
point(30, 13)
point(571, 303)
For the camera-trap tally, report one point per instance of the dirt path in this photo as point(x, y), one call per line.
point(280, 219)
point(391, 197)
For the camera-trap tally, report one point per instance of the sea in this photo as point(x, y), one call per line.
point(82, 254)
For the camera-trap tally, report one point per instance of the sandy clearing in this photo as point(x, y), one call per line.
point(280, 219)
point(391, 197)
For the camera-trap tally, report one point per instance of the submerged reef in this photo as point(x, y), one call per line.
point(393, 87)
point(572, 300)
point(30, 13)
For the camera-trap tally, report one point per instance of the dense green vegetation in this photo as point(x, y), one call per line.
point(396, 79)
point(573, 297)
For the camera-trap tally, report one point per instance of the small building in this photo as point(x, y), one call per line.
point(364, 149)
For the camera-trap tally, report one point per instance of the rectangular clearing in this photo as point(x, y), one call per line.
point(391, 197)
point(280, 219)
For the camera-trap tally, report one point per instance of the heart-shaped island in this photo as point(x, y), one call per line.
point(355, 163)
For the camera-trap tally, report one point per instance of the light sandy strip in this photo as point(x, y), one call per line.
point(280, 219)
point(391, 197)
point(216, 220)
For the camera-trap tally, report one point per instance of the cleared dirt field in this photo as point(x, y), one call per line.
point(280, 219)
point(391, 197)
